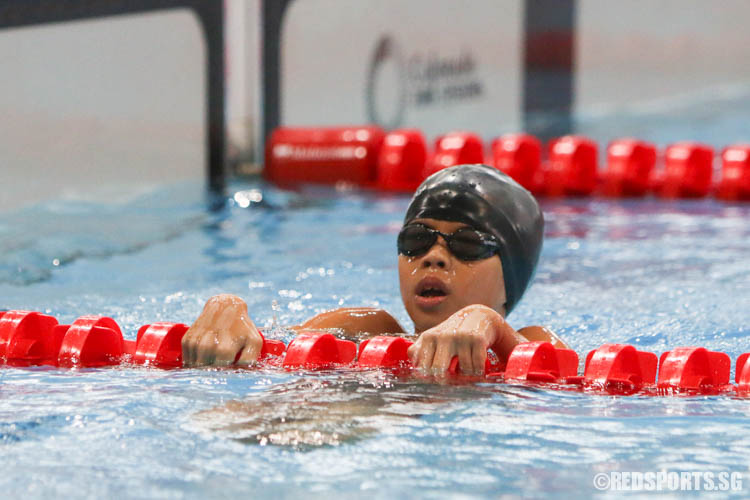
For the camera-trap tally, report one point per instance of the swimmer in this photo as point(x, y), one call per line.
point(467, 252)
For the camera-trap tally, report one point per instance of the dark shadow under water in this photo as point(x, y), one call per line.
point(322, 409)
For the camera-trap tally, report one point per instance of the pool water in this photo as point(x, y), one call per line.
point(651, 273)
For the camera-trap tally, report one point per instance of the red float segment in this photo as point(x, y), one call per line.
point(618, 368)
point(128, 349)
point(160, 345)
point(742, 373)
point(630, 164)
point(271, 348)
point(735, 173)
point(688, 167)
point(693, 368)
point(519, 156)
point(28, 338)
point(572, 167)
point(318, 350)
point(402, 160)
point(323, 155)
point(455, 148)
point(541, 362)
point(384, 352)
point(492, 366)
point(91, 341)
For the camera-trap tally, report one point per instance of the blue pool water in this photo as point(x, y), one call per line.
point(651, 273)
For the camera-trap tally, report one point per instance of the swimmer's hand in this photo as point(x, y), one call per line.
point(221, 331)
point(468, 333)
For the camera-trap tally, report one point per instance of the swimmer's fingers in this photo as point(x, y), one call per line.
point(207, 319)
point(226, 348)
point(190, 346)
point(478, 356)
point(422, 352)
point(221, 347)
point(248, 341)
point(413, 352)
point(192, 339)
point(466, 360)
point(207, 347)
point(250, 353)
point(187, 347)
point(444, 353)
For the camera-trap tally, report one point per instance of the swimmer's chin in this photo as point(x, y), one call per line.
point(426, 319)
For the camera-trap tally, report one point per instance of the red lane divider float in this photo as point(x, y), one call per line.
point(630, 165)
point(735, 176)
point(520, 156)
point(323, 155)
point(572, 169)
point(314, 350)
point(399, 160)
point(742, 373)
point(694, 369)
point(160, 345)
point(384, 352)
point(688, 167)
point(541, 362)
point(454, 148)
point(29, 338)
point(402, 158)
point(618, 368)
point(91, 341)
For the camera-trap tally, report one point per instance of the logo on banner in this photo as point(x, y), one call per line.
point(386, 85)
point(420, 79)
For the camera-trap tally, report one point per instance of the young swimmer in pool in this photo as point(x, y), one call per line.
point(468, 250)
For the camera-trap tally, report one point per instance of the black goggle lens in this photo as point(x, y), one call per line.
point(465, 243)
point(415, 240)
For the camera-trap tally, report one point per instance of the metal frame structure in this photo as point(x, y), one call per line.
point(210, 13)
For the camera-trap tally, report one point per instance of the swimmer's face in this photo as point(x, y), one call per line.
point(436, 284)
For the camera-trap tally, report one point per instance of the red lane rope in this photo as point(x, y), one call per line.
point(568, 166)
point(29, 338)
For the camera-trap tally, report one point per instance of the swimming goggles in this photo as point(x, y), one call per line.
point(465, 243)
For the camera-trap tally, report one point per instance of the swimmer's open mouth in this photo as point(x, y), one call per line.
point(432, 287)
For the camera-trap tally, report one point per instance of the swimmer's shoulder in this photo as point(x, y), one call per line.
point(356, 322)
point(540, 333)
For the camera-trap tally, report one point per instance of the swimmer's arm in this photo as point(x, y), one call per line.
point(540, 333)
point(224, 328)
point(356, 322)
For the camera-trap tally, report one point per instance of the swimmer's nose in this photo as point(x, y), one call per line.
point(437, 256)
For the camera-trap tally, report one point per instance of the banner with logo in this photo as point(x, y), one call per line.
point(438, 65)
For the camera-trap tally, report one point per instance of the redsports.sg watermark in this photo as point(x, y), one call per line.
point(668, 481)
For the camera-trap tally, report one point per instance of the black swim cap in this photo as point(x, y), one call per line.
point(490, 201)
